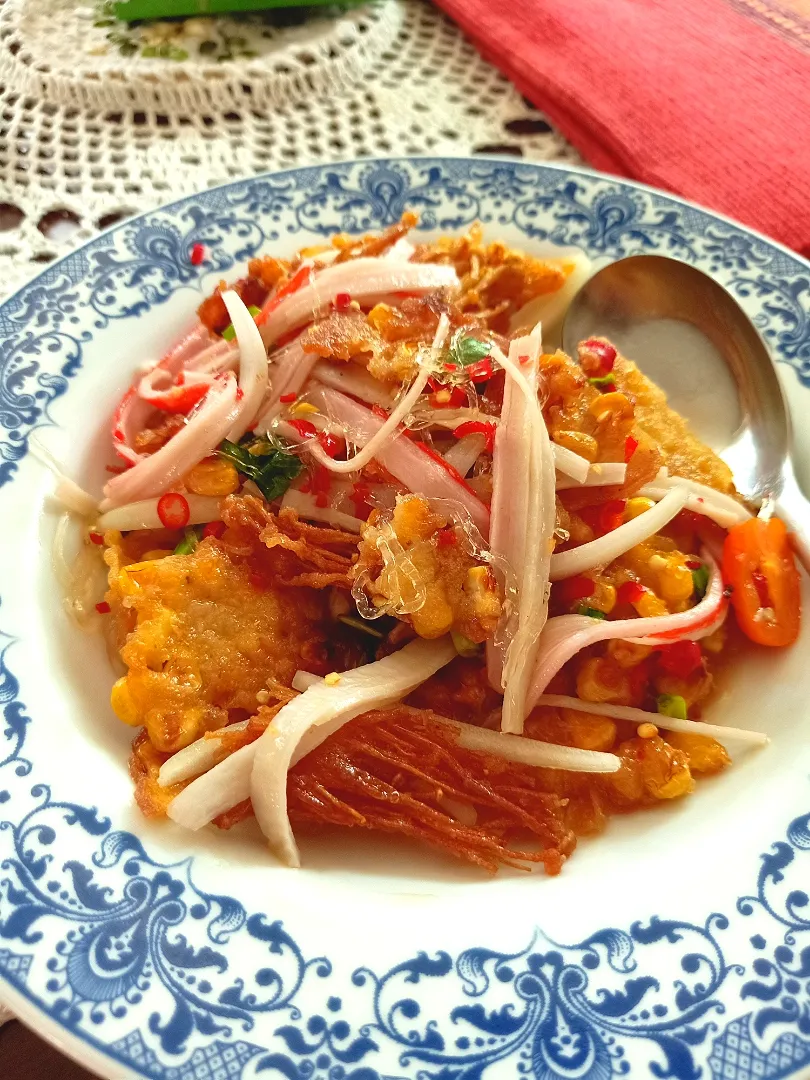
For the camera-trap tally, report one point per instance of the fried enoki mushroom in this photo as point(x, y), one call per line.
point(295, 553)
point(417, 564)
point(401, 770)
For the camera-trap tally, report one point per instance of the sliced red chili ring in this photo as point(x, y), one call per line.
point(173, 510)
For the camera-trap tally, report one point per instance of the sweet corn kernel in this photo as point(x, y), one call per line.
point(332, 679)
point(155, 553)
point(647, 731)
point(213, 477)
point(611, 406)
point(580, 443)
point(627, 654)
point(302, 408)
point(680, 783)
point(675, 580)
point(716, 641)
point(650, 605)
point(123, 704)
point(636, 506)
point(603, 598)
point(262, 696)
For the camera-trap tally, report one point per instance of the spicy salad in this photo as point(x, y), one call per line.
point(379, 558)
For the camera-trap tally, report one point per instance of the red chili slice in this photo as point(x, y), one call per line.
point(630, 447)
point(681, 658)
point(103, 608)
point(343, 301)
point(481, 371)
point(305, 428)
point(286, 399)
point(630, 592)
point(477, 427)
point(574, 588)
point(96, 538)
point(173, 510)
point(331, 444)
point(197, 255)
point(214, 529)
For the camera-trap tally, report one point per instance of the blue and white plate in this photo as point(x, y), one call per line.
point(676, 945)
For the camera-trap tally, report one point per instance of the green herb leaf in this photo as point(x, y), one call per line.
point(672, 705)
point(700, 581)
point(465, 350)
point(591, 612)
point(188, 543)
point(271, 468)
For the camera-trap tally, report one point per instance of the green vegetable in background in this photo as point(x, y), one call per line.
point(188, 543)
point(129, 10)
point(268, 464)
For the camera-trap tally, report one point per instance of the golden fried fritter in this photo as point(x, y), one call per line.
point(203, 634)
point(418, 566)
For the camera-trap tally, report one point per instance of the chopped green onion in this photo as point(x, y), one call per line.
point(254, 311)
point(672, 705)
point(700, 581)
point(229, 333)
point(464, 647)
point(357, 623)
point(603, 381)
point(268, 464)
point(188, 543)
point(591, 612)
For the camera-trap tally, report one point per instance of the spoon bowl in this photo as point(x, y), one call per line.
point(688, 334)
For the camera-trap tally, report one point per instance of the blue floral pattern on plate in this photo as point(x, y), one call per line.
point(135, 959)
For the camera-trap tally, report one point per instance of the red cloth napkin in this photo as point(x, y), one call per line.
point(709, 99)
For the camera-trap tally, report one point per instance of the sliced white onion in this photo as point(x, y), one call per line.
point(67, 491)
point(389, 427)
point(144, 514)
point(532, 751)
point(570, 464)
point(206, 427)
point(302, 680)
point(305, 505)
point(603, 474)
point(216, 791)
point(354, 380)
point(701, 499)
point(523, 516)
point(221, 356)
point(364, 279)
point(565, 635)
point(464, 453)
point(430, 416)
point(603, 550)
point(724, 735)
point(196, 758)
point(323, 708)
point(402, 251)
point(419, 471)
point(252, 364)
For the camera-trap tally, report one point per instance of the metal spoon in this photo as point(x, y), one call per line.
point(691, 336)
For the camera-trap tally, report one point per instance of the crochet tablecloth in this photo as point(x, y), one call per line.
point(97, 124)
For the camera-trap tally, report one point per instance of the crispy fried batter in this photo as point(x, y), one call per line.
point(153, 436)
point(206, 639)
point(418, 566)
point(342, 335)
point(297, 553)
point(351, 247)
point(496, 281)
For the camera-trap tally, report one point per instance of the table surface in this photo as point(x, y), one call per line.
point(24, 1056)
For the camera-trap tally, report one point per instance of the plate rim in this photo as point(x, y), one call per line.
point(80, 1046)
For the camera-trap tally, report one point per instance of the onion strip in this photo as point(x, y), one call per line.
point(603, 550)
point(602, 474)
point(701, 499)
point(570, 464)
point(252, 364)
point(144, 514)
point(196, 758)
point(667, 723)
point(533, 751)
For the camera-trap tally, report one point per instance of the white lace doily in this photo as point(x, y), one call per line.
point(97, 123)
